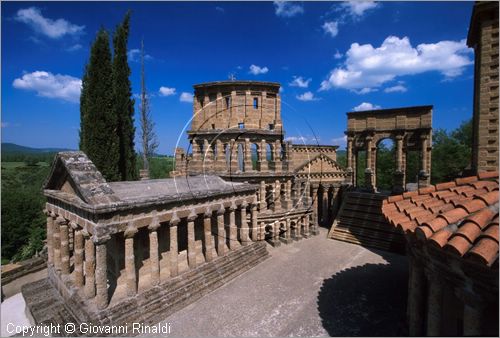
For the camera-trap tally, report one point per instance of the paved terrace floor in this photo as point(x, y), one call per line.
point(314, 287)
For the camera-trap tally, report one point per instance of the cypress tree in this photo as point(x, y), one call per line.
point(98, 134)
point(123, 104)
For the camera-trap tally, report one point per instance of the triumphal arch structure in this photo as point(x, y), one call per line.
point(409, 127)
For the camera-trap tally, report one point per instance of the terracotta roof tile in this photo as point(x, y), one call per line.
point(487, 174)
point(460, 216)
point(472, 205)
point(458, 245)
point(440, 238)
point(465, 180)
point(485, 251)
point(489, 198)
point(454, 215)
point(444, 186)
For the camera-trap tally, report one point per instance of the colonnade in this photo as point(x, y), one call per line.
point(85, 263)
point(399, 179)
point(236, 156)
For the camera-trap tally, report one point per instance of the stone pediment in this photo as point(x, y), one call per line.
point(319, 164)
point(73, 173)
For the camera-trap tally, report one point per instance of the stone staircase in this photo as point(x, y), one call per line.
point(155, 304)
point(360, 221)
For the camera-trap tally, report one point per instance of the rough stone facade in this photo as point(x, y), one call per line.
point(483, 37)
point(237, 133)
point(409, 127)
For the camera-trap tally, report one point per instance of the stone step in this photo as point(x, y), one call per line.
point(360, 221)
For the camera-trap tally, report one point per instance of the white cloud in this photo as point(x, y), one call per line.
point(331, 28)
point(370, 67)
point(340, 141)
point(134, 55)
point(395, 89)
point(256, 70)
point(307, 96)
point(287, 9)
point(220, 9)
point(338, 55)
point(357, 8)
point(299, 81)
point(366, 106)
point(74, 48)
point(186, 97)
point(54, 29)
point(46, 84)
point(166, 91)
point(302, 139)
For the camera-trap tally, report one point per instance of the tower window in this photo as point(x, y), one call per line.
point(271, 126)
point(241, 125)
point(255, 103)
point(228, 101)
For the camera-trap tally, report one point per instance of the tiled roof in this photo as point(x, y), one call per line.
point(460, 217)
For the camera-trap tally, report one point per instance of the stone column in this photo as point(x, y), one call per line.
point(207, 235)
point(315, 204)
point(277, 195)
point(248, 156)
point(78, 263)
point(423, 175)
point(276, 234)
point(306, 226)
point(398, 180)
point(298, 231)
point(101, 276)
point(263, 202)
point(174, 248)
point(221, 232)
point(244, 224)
point(57, 244)
point(369, 170)
point(288, 235)
point(63, 228)
point(220, 158)
point(130, 272)
point(350, 168)
point(255, 230)
point(288, 194)
point(233, 147)
point(233, 239)
point(277, 156)
point(154, 257)
point(208, 156)
point(263, 156)
point(89, 266)
point(50, 238)
point(434, 302)
point(416, 311)
point(324, 204)
point(191, 251)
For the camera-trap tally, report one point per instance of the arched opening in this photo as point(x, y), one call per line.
point(227, 151)
point(269, 152)
point(240, 156)
point(254, 153)
point(360, 157)
point(385, 164)
point(412, 163)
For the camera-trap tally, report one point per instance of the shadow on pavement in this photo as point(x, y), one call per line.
point(367, 300)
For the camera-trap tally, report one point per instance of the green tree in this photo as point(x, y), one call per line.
point(98, 129)
point(123, 104)
point(148, 135)
point(451, 152)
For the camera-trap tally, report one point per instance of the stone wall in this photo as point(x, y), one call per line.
point(301, 153)
point(236, 104)
point(483, 37)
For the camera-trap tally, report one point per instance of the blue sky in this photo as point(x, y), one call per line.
point(330, 57)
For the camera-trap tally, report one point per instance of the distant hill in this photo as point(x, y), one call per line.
point(16, 148)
